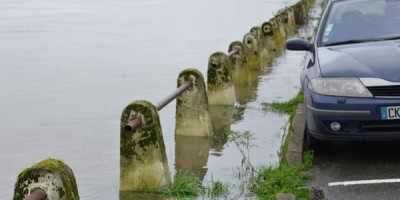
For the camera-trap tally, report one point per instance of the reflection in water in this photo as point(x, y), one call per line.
point(191, 154)
point(126, 195)
point(221, 116)
point(245, 81)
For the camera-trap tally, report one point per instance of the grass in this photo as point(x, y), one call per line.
point(183, 186)
point(186, 186)
point(216, 189)
point(287, 107)
point(284, 179)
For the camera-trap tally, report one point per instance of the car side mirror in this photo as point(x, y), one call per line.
point(297, 44)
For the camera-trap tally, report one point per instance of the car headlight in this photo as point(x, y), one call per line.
point(348, 87)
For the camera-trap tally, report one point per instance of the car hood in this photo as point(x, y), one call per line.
point(372, 59)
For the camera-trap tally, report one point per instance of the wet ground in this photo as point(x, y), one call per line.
point(358, 170)
point(69, 68)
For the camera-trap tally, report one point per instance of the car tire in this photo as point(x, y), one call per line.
point(315, 144)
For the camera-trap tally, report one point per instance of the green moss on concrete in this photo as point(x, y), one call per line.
point(222, 76)
point(151, 134)
point(239, 59)
point(143, 161)
point(267, 29)
point(48, 166)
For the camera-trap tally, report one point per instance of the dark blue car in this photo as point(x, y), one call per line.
point(351, 77)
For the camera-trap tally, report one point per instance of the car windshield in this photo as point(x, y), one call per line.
point(361, 21)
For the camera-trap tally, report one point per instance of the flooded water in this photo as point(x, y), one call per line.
point(68, 68)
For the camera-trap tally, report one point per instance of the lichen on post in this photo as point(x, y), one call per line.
point(51, 176)
point(262, 45)
point(221, 90)
point(143, 161)
point(238, 59)
point(192, 116)
point(268, 35)
point(278, 35)
point(299, 11)
point(290, 19)
point(251, 45)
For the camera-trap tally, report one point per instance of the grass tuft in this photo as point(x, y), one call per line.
point(183, 186)
point(284, 107)
point(284, 179)
point(216, 189)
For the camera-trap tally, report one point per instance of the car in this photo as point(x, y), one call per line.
point(351, 75)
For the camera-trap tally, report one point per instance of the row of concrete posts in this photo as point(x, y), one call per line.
point(143, 161)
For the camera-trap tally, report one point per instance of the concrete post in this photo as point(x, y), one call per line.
point(238, 59)
point(51, 176)
point(279, 34)
point(268, 35)
point(262, 45)
point(251, 45)
point(291, 19)
point(299, 13)
point(221, 90)
point(192, 116)
point(143, 161)
point(281, 24)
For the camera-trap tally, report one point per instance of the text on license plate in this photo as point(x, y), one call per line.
point(390, 112)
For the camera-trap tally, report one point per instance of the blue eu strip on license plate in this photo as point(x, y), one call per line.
point(390, 112)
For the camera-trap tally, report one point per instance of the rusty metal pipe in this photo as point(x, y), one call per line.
point(136, 123)
point(175, 94)
point(132, 125)
point(231, 53)
point(37, 195)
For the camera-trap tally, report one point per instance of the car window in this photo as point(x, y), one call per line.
point(361, 20)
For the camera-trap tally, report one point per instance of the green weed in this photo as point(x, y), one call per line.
point(216, 189)
point(183, 186)
point(284, 107)
point(282, 179)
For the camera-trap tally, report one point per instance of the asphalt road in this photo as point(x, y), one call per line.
point(371, 170)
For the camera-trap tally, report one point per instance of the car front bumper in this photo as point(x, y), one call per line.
point(359, 118)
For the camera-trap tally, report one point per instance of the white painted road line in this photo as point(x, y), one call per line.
point(363, 182)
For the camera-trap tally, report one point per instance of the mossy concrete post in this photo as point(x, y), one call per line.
point(282, 25)
point(221, 90)
point(269, 38)
point(238, 59)
point(251, 45)
point(51, 176)
point(192, 116)
point(299, 13)
point(289, 25)
point(278, 33)
point(143, 161)
point(262, 46)
point(291, 19)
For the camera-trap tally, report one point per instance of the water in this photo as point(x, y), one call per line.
point(68, 68)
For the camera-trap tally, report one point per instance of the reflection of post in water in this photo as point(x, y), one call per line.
point(221, 116)
point(246, 82)
point(191, 154)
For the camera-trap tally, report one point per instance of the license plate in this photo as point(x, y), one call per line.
point(390, 112)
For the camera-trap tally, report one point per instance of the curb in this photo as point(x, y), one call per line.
point(295, 147)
